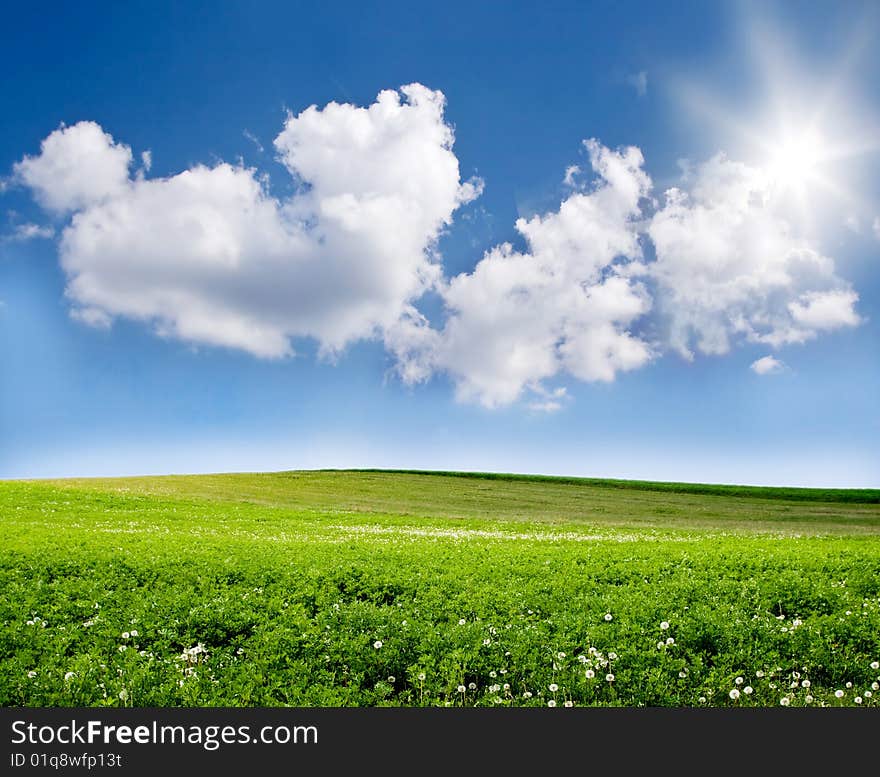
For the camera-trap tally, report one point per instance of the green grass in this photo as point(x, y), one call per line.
point(497, 584)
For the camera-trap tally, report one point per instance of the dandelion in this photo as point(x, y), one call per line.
point(494, 688)
point(734, 693)
point(808, 699)
point(30, 623)
point(32, 674)
point(391, 679)
point(553, 687)
point(506, 686)
point(748, 690)
point(839, 694)
point(739, 681)
point(875, 665)
point(682, 674)
point(527, 694)
point(608, 616)
point(461, 621)
point(134, 633)
point(660, 645)
point(664, 625)
point(670, 641)
point(785, 701)
point(590, 674)
point(123, 694)
point(421, 677)
point(551, 703)
point(759, 674)
point(858, 700)
point(569, 703)
point(487, 642)
point(461, 689)
point(868, 694)
point(702, 700)
point(609, 677)
point(125, 635)
point(612, 656)
point(377, 644)
point(560, 655)
point(69, 675)
point(849, 685)
point(122, 648)
point(875, 686)
point(493, 673)
point(472, 686)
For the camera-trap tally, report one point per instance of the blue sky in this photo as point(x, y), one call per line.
point(533, 363)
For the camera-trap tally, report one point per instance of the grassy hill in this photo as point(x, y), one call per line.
point(409, 588)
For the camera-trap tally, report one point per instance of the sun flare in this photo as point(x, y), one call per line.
point(794, 161)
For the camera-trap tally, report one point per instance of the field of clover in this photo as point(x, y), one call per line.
point(137, 598)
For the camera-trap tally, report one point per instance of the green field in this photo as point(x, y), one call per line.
point(386, 588)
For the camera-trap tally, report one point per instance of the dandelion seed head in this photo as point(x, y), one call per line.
point(734, 693)
point(378, 644)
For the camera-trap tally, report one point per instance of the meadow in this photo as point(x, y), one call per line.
point(367, 588)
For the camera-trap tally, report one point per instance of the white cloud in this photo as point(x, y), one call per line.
point(767, 365)
point(520, 319)
point(209, 256)
point(147, 160)
point(728, 267)
point(77, 167)
point(639, 82)
point(570, 172)
point(876, 227)
point(29, 231)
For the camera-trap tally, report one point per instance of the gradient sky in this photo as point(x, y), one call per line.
point(204, 83)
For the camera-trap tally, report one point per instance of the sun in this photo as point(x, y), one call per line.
point(794, 161)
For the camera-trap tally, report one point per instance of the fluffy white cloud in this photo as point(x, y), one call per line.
point(728, 266)
point(77, 167)
point(209, 256)
point(767, 365)
point(561, 307)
